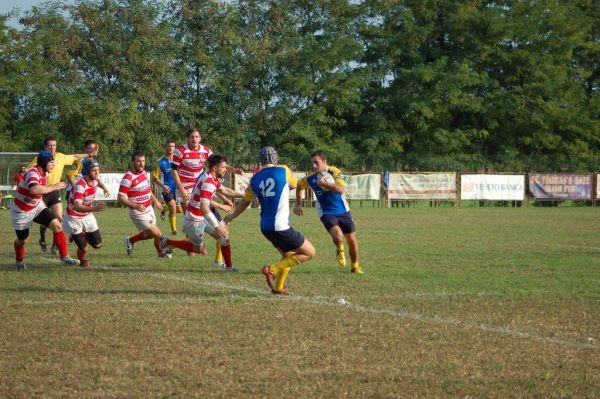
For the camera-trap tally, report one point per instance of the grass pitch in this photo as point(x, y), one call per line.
point(483, 302)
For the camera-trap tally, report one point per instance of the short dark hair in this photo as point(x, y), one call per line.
point(88, 142)
point(192, 130)
point(49, 138)
point(319, 153)
point(215, 159)
point(137, 154)
point(170, 141)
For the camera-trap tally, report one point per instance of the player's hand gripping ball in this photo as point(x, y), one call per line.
point(327, 178)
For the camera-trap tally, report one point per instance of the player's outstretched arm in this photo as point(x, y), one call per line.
point(38, 189)
point(230, 193)
point(298, 208)
point(241, 207)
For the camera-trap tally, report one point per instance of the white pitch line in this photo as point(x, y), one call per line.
point(570, 342)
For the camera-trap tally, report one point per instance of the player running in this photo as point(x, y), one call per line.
point(52, 199)
point(188, 164)
point(199, 218)
point(331, 206)
point(271, 185)
point(163, 177)
point(79, 220)
point(136, 194)
point(28, 207)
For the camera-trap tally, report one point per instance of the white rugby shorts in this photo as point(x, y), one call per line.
point(23, 220)
point(73, 225)
point(144, 221)
point(195, 230)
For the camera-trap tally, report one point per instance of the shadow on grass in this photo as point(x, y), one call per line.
point(206, 293)
point(57, 267)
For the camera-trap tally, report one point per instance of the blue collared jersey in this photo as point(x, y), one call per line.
point(163, 173)
point(328, 202)
point(271, 185)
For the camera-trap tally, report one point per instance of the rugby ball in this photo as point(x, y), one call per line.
point(327, 178)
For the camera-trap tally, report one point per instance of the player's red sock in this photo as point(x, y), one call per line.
point(19, 251)
point(138, 237)
point(61, 242)
point(226, 251)
point(80, 254)
point(157, 246)
point(181, 244)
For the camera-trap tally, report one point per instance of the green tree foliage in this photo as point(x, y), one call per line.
point(379, 84)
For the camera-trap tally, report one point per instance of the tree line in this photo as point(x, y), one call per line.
point(424, 85)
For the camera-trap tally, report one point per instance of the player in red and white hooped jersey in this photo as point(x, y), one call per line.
point(188, 164)
point(135, 192)
point(198, 217)
point(79, 220)
point(28, 207)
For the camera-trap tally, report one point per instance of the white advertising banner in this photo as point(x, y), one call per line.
point(492, 187)
point(363, 187)
point(422, 186)
point(598, 185)
point(242, 181)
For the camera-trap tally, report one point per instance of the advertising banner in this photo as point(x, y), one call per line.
point(598, 185)
point(363, 187)
point(492, 187)
point(421, 186)
point(560, 186)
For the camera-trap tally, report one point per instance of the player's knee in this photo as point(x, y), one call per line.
point(22, 236)
point(55, 226)
point(79, 240)
point(224, 241)
point(309, 251)
point(94, 239)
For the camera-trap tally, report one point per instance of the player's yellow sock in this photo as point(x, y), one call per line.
point(289, 261)
point(341, 256)
point(356, 268)
point(218, 253)
point(173, 223)
point(280, 279)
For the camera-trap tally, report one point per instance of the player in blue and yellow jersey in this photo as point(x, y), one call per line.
point(162, 177)
point(331, 206)
point(271, 185)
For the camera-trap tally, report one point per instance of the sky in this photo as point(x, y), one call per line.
point(8, 5)
point(23, 5)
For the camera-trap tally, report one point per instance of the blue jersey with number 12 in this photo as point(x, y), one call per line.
point(271, 185)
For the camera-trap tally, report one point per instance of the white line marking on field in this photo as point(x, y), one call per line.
point(264, 294)
point(570, 342)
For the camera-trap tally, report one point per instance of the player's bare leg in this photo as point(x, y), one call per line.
point(353, 250)
point(172, 205)
point(338, 240)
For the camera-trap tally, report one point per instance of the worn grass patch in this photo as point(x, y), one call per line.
point(498, 302)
